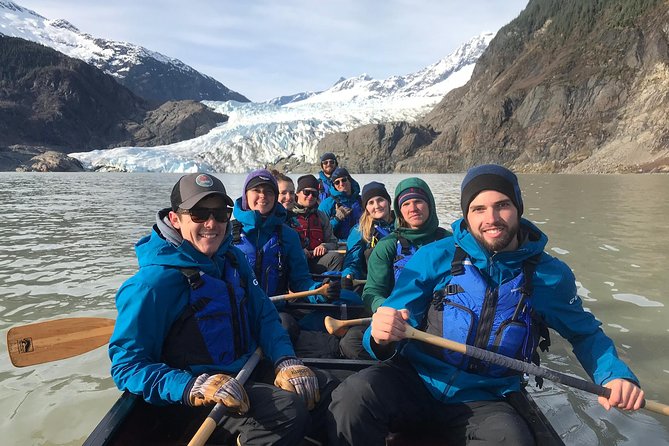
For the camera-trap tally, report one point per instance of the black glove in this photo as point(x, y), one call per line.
point(334, 289)
point(347, 283)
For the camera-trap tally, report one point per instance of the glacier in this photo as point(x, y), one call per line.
point(261, 133)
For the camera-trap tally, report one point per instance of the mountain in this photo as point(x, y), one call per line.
point(286, 131)
point(568, 86)
point(146, 73)
point(49, 101)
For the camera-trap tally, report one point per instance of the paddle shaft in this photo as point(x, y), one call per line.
point(521, 366)
point(356, 282)
point(220, 409)
point(320, 290)
point(338, 327)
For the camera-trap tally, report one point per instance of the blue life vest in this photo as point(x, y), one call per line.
point(268, 261)
point(323, 189)
point(214, 327)
point(405, 250)
point(380, 231)
point(498, 319)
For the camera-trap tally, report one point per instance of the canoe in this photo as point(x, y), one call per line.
point(131, 421)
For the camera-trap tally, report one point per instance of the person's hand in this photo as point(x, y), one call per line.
point(347, 282)
point(292, 375)
point(625, 395)
point(334, 289)
point(320, 251)
point(388, 325)
point(219, 388)
point(342, 212)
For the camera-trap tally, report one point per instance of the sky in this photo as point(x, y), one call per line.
point(269, 48)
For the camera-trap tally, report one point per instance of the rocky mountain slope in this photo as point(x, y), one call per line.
point(49, 101)
point(568, 86)
point(150, 75)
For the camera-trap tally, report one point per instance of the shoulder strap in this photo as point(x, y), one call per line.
point(457, 264)
point(404, 243)
point(193, 277)
point(236, 232)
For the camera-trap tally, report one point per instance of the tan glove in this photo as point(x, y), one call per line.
point(292, 375)
point(342, 212)
point(220, 388)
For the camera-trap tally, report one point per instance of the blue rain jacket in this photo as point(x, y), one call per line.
point(150, 301)
point(554, 299)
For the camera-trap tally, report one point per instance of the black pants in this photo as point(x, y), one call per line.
point(276, 416)
point(391, 397)
point(350, 345)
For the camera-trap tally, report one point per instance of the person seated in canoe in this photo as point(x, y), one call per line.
point(274, 252)
point(417, 225)
point(192, 316)
point(318, 241)
point(328, 165)
point(491, 285)
point(343, 206)
point(286, 193)
point(376, 222)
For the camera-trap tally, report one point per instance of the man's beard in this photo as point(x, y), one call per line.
point(498, 244)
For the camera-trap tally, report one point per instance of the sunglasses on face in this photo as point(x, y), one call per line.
point(200, 215)
point(328, 162)
point(340, 181)
point(308, 192)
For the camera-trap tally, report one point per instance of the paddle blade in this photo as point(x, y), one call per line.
point(58, 339)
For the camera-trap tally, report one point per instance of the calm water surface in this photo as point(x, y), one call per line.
point(68, 240)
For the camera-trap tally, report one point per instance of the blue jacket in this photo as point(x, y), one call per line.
point(342, 228)
point(355, 262)
point(326, 186)
point(259, 230)
point(554, 299)
point(151, 301)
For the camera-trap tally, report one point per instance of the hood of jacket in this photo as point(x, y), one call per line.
point(259, 229)
point(344, 199)
point(432, 223)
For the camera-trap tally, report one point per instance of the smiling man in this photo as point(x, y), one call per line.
point(491, 285)
point(193, 314)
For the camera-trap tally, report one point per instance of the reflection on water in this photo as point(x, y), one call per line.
point(67, 246)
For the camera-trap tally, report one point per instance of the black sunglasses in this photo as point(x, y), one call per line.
point(339, 181)
point(200, 215)
point(328, 162)
point(308, 192)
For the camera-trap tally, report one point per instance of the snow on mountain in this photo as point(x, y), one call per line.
point(257, 134)
point(124, 61)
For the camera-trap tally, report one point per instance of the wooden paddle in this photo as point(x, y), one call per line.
point(48, 341)
point(58, 339)
point(501, 360)
point(220, 409)
point(339, 328)
point(320, 290)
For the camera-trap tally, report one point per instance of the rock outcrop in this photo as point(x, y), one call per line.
point(568, 86)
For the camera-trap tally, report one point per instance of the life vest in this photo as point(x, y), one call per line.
point(378, 233)
point(405, 250)
point(214, 326)
point(498, 319)
point(323, 189)
point(310, 229)
point(268, 261)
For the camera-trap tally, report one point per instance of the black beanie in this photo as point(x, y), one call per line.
point(307, 182)
point(374, 189)
point(490, 177)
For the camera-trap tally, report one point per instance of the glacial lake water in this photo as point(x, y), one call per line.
point(67, 244)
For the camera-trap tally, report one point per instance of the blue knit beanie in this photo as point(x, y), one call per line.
point(328, 156)
point(260, 176)
point(490, 177)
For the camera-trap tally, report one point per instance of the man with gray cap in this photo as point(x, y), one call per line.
point(492, 286)
point(193, 314)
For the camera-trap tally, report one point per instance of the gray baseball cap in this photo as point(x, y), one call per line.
point(194, 187)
